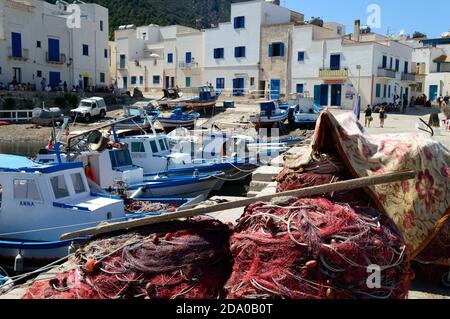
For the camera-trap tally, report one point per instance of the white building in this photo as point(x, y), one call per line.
point(36, 43)
point(232, 49)
point(333, 68)
point(152, 57)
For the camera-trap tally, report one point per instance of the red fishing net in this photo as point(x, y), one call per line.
point(186, 260)
point(323, 169)
point(312, 248)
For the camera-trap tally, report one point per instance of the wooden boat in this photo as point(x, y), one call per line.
point(178, 119)
point(206, 99)
point(43, 116)
point(270, 113)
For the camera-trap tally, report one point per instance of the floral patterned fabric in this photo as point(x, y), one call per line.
point(419, 207)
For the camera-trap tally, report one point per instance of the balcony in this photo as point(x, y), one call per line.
point(411, 77)
point(23, 55)
point(386, 73)
point(186, 65)
point(333, 74)
point(55, 59)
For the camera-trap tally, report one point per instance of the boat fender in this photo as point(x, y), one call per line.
point(19, 262)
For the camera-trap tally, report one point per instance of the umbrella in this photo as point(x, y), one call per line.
point(357, 107)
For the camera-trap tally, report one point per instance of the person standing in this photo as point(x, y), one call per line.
point(382, 116)
point(369, 117)
point(405, 103)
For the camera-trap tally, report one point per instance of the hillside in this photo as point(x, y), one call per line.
point(193, 13)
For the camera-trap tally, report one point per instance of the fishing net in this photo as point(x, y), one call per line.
point(181, 259)
point(313, 248)
point(138, 207)
point(324, 168)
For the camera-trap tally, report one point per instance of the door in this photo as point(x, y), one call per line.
point(335, 62)
point(324, 94)
point(54, 78)
point(433, 92)
point(172, 82)
point(125, 82)
point(16, 43)
point(53, 50)
point(317, 94)
point(336, 93)
point(238, 87)
point(275, 89)
point(167, 82)
point(85, 83)
point(188, 57)
point(17, 74)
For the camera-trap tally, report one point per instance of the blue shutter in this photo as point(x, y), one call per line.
point(384, 62)
point(378, 90)
point(335, 61)
point(281, 49)
point(54, 78)
point(16, 43)
point(188, 57)
point(271, 50)
point(242, 24)
point(236, 52)
point(236, 23)
point(53, 50)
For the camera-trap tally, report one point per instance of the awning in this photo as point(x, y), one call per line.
point(442, 59)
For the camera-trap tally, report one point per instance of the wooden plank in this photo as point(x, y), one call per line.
point(305, 192)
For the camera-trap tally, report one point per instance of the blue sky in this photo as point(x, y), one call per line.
point(431, 17)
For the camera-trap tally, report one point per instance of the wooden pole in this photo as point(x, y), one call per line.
point(305, 192)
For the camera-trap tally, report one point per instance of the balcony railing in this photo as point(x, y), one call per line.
point(328, 73)
point(187, 65)
point(408, 77)
point(23, 55)
point(386, 73)
point(58, 59)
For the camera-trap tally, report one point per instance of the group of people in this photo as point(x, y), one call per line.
point(443, 100)
point(14, 85)
point(369, 117)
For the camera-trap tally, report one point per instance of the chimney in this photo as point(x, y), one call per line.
point(357, 31)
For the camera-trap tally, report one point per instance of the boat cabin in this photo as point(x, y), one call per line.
point(39, 202)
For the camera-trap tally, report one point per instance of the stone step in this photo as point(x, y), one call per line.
point(257, 186)
point(266, 173)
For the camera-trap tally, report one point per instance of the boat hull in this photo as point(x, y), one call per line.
point(200, 105)
point(268, 121)
point(171, 124)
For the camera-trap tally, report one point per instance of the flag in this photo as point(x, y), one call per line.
point(50, 142)
point(357, 108)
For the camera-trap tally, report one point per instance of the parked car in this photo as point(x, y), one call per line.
point(89, 108)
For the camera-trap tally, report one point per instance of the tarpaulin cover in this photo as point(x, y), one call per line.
point(419, 207)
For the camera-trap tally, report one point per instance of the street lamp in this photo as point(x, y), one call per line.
point(358, 67)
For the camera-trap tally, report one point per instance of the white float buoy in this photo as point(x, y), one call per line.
point(19, 262)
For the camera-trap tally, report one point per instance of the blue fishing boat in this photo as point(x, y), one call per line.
point(178, 119)
point(307, 114)
point(270, 113)
point(143, 118)
point(207, 98)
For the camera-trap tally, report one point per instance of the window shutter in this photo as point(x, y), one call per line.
point(271, 50)
point(236, 52)
point(235, 23)
point(281, 49)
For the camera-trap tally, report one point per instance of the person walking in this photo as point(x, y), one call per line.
point(382, 116)
point(369, 117)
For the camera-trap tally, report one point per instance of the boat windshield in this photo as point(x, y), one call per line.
point(78, 183)
point(59, 186)
point(120, 158)
point(26, 189)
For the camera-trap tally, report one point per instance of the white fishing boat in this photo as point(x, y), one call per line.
point(270, 113)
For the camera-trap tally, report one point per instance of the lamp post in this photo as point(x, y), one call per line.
point(358, 67)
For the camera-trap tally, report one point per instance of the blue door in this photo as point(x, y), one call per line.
point(16, 44)
point(336, 93)
point(53, 50)
point(54, 78)
point(433, 92)
point(275, 89)
point(238, 87)
point(188, 57)
point(317, 94)
point(324, 94)
point(335, 62)
point(125, 82)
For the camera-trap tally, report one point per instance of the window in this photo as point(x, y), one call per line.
point(220, 83)
point(137, 147)
point(105, 53)
point(384, 66)
point(133, 80)
point(39, 73)
point(188, 82)
point(391, 64)
point(188, 57)
point(252, 81)
point(219, 53)
point(122, 61)
point(162, 145)
point(38, 44)
point(120, 158)
point(239, 52)
point(378, 90)
point(101, 25)
point(153, 146)
point(102, 77)
point(78, 183)
point(397, 65)
point(384, 90)
point(170, 58)
point(16, 44)
point(300, 88)
point(141, 80)
point(389, 91)
point(406, 67)
point(276, 49)
point(85, 50)
point(59, 186)
point(156, 79)
point(26, 189)
point(335, 62)
point(239, 22)
point(301, 56)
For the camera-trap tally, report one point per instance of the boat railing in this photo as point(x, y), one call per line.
point(16, 115)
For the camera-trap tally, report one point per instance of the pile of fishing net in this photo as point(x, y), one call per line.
point(323, 169)
point(138, 207)
point(313, 248)
point(181, 259)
